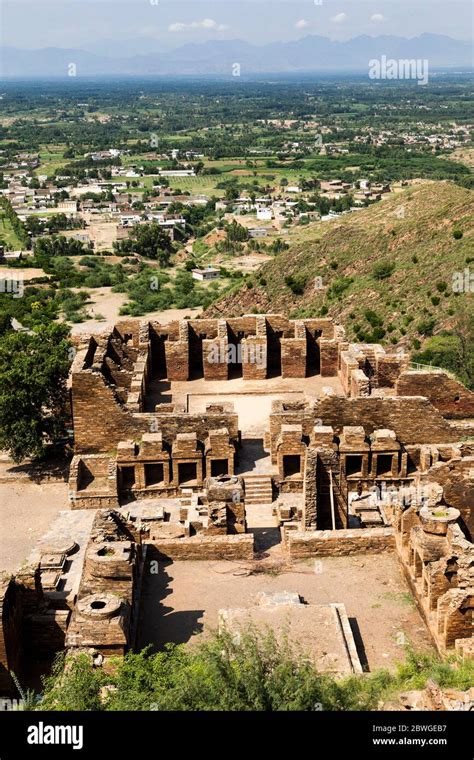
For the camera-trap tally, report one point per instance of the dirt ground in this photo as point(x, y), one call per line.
point(26, 274)
point(252, 399)
point(103, 233)
point(26, 511)
point(250, 262)
point(107, 304)
point(181, 602)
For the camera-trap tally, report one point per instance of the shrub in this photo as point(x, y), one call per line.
point(373, 318)
point(260, 672)
point(457, 234)
point(383, 269)
point(426, 326)
point(296, 283)
point(339, 286)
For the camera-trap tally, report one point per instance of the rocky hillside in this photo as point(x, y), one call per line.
point(386, 273)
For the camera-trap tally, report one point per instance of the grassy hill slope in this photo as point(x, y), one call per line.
point(385, 273)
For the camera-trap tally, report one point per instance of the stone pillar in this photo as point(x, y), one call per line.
point(215, 355)
point(310, 490)
point(293, 357)
point(329, 353)
point(177, 354)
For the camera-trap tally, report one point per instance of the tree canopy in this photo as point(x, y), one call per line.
point(33, 396)
point(150, 241)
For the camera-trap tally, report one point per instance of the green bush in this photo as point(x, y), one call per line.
point(383, 269)
point(296, 283)
point(260, 672)
point(338, 287)
point(426, 326)
point(448, 351)
point(374, 319)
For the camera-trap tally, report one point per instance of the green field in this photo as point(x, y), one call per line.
point(8, 235)
point(51, 158)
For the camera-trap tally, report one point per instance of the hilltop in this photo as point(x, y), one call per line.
point(386, 273)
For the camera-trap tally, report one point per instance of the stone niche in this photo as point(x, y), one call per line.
point(144, 468)
point(220, 453)
point(291, 451)
point(354, 452)
point(93, 482)
point(187, 461)
point(385, 454)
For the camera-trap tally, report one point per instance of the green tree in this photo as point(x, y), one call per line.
point(33, 395)
point(150, 241)
point(236, 232)
point(453, 350)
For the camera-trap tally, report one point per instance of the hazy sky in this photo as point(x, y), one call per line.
point(114, 26)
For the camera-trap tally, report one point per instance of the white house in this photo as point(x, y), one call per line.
point(211, 273)
point(177, 173)
point(264, 214)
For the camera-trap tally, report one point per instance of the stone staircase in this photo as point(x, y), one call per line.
point(258, 489)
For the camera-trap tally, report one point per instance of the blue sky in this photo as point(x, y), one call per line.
point(121, 27)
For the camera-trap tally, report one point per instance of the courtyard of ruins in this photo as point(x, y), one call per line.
point(251, 470)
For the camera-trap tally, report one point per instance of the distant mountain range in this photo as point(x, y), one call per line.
point(216, 57)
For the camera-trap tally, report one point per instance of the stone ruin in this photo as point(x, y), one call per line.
point(379, 459)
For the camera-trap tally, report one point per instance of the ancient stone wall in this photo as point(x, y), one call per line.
point(338, 543)
point(11, 638)
point(413, 419)
point(101, 421)
point(452, 399)
point(310, 493)
point(204, 547)
point(438, 562)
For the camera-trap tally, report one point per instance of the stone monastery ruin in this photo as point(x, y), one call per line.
point(181, 431)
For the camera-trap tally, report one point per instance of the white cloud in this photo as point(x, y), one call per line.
point(339, 18)
point(302, 24)
point(377, 17)
point(207, 24)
